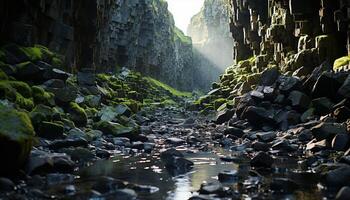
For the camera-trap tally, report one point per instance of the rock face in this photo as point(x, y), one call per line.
point(138, 34)
point(141, 35)
point(212, 40)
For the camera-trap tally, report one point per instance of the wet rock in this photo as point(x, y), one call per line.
point(327, 130)
point(144, 189)
point(102, 153)
point(106, 184)
point(299, 100)
point(257, 116)
point(316, 146)
point(343, 194)
point(341, 142)
point(325, 86)
point(224, 116)
point(262, 159)
point(261, 146)
point(234, 131)
point(211, 188)
point(202, 197)
point(341, 114)
point(116, 129)
point(79, 154)
point(56, 179)
point(86, 78)
point(228, 175)
point(284, 146)
point(50, 130)
point(288, 84)
point(269, 77)
point(16, 139)
point(175, 161)
point(124, 194)
point(137, 145)
point(175, 141)
point(42, 162)
point(344, 90)
point(283, 185)
point(109, 113)
point(322, 106)
point(266, 136)
point(59, 144)
point(305, 135)
point(64, 95)
point(77, 114)
point(338, 177)
point(6, 185)
point(121, 141)
point(229, 159)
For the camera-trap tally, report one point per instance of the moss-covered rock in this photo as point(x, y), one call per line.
point(16, 139)
point(41, 113)
point(50, 130)
point(116, 129)
point(18, 93)
point(40, 96)
point(77, 114)
point(341, 62)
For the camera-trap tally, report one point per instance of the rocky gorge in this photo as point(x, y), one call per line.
point(98, 117)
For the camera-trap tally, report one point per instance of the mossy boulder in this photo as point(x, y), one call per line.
point(18, 93)
point(116, 129)
point(40, 96)
point(50, 130)
point(77, 114)
point(341, 62)
point(41, 113)
point(16, 139)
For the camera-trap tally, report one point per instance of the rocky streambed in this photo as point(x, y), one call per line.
point(181, 155)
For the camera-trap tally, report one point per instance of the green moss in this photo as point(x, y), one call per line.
point(16, 137)
point(21, 87)
point(340, 62)
point(116, 129)
point(25, 103)
point(33, 53)
point(179, 35)
point(3, 76)
point(78, 114)
point(40, 96)
point(167, 88)
point(219, 102)
point(41, 113)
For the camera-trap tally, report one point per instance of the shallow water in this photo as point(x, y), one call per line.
point(150, 171)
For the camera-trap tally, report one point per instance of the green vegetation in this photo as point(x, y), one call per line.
point(178, 34)
point(17, 136)
point(340, 62)
point(168, 88)
point(78, 114)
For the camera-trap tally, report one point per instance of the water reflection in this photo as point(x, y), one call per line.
point(150, 171)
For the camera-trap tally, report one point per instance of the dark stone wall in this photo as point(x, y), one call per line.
point(279, 28)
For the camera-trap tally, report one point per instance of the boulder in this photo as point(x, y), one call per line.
point(116, 129)
point(224, 116)
point(343, 194)
point(50, 130)
point(228, 175)
point(175, 162)
point(327, 130)
point(266, 136)
point(16, 139)
point(262, 159)
point(341, 142)
point(299, 100)
point(269, 77)
point(288, 84)
point(77, 114)
point(257, 116)
point(322, 105)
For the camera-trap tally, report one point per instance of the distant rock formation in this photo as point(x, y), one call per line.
point(212, 40)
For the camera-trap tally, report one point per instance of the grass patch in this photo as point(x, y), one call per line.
point(164, 86)
point(178, 34)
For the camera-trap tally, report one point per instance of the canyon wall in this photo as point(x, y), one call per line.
point(289, 33)
point(104, 35)
point(212, 40)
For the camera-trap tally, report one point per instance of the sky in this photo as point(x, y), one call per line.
point(183, 11)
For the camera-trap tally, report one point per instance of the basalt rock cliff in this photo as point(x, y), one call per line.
point(212, 40)
point(101, 35)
